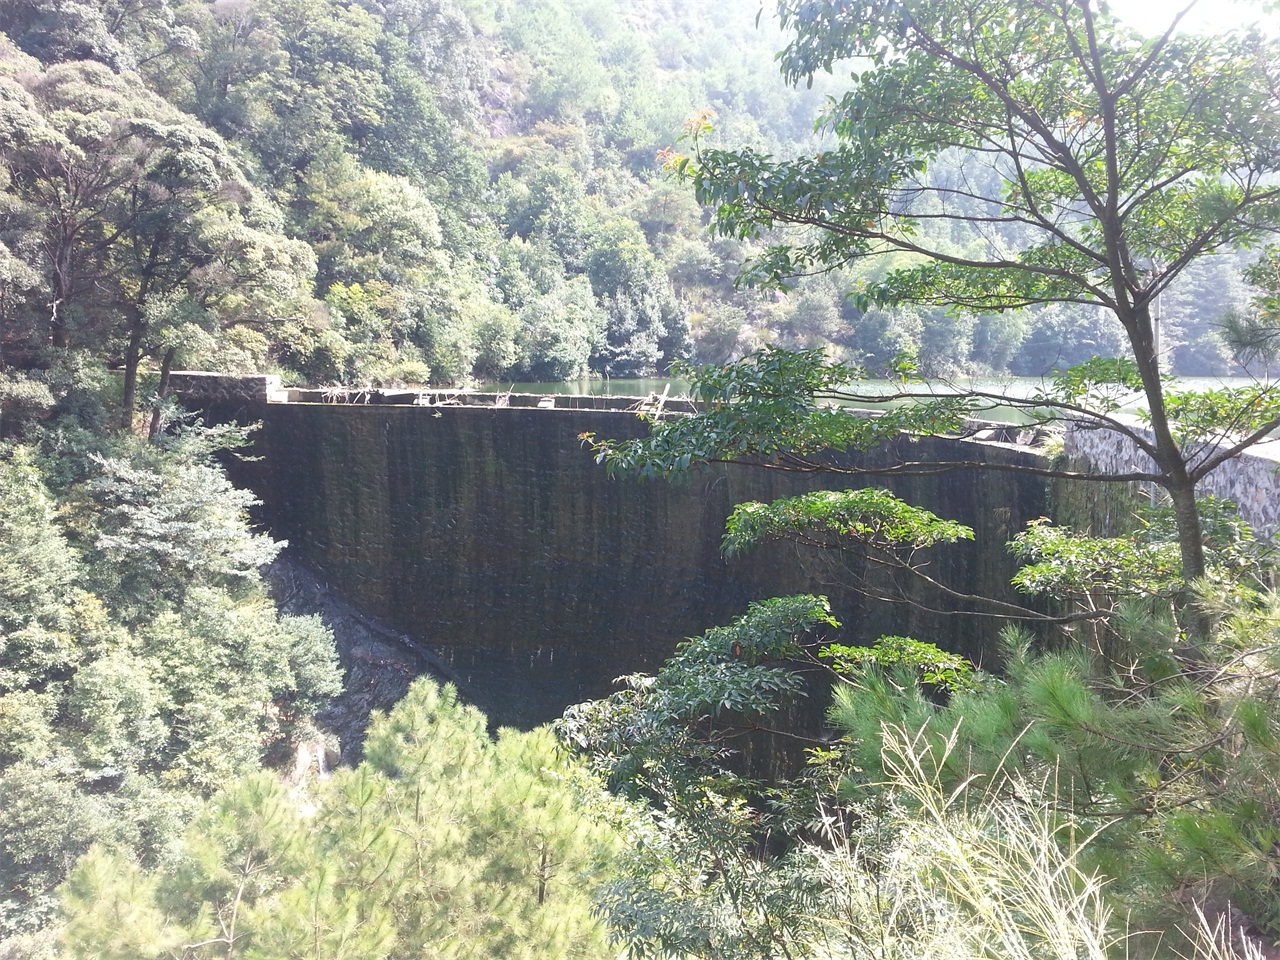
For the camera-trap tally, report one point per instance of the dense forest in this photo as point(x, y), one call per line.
point(379, 193)
point(452, 191)
point(420, 192)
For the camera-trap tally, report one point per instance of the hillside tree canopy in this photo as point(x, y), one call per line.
point(1098, 165)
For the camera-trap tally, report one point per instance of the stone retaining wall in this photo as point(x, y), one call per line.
point(1251, 481)
point(197, 387)
point(479, 524)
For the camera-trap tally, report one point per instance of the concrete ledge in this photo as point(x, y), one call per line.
point(197, 385)
point(200, 387)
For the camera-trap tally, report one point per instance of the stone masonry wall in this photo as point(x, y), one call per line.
point(1251, 481)
point(199, 387)
point(490, 533)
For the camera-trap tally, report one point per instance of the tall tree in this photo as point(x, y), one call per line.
point(130, 204)
point(1100, 164)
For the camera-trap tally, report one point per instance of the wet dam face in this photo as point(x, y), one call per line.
point(491, 535)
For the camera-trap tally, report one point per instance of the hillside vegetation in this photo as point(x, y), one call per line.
point(429, 191)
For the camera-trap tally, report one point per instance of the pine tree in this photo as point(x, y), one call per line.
point(443, 842)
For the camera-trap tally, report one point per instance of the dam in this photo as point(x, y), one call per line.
point(484, 529)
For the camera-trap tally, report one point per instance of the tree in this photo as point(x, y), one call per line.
point(899, 864)
point(116, 34)
point(559, 330)
point(1254, 335)
point(143, 665)
point(1099, 165)
point(444, 843)
point(647, 328)
point(126, 204)
point(1122, 781)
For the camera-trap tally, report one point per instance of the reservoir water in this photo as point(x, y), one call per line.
point(1014, 387)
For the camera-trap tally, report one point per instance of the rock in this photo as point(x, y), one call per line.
point(378, 665)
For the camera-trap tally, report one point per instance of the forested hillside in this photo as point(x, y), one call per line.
point(341, 192)
point(432, 191)
point(363, 193)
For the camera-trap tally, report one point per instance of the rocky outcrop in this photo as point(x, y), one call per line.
point(378, 663)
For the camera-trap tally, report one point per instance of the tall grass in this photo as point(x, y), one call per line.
point(958, 875)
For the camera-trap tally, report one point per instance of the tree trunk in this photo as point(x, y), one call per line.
point(1171, 462)
point(1190, 535)
point(132, 357)
point(1186, 515)
point(166, 367)
point(63, 290)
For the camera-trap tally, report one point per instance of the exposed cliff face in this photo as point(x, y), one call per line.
point(493, 536)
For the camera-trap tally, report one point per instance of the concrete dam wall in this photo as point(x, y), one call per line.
point(492, 535)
